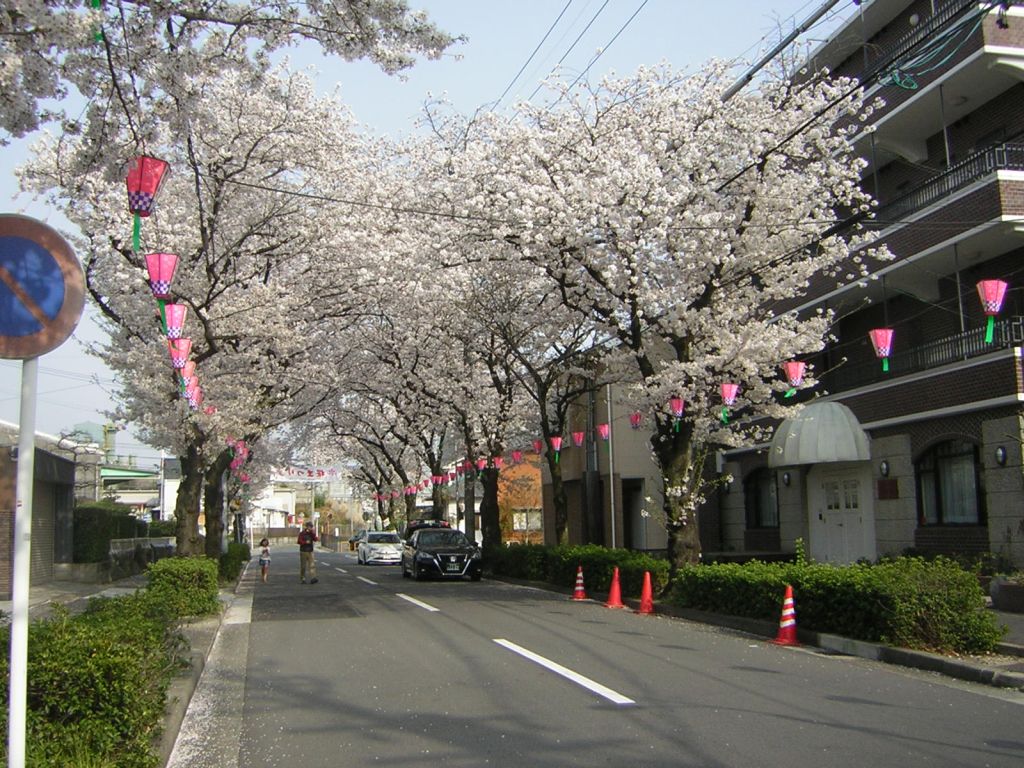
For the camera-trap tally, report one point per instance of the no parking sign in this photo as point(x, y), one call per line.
point(42, 290)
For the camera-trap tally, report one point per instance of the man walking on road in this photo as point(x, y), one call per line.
point(307, 562)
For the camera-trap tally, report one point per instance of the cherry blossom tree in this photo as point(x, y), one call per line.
point(124, 56)
point(679, 223)
point(237, 211)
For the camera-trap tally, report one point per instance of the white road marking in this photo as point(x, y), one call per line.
point(420, 603)
point(586, 682)
point(367, 581)
point(341, 570)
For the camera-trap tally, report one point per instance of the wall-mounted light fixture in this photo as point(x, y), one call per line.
point(883, 468)
point(786, 479)
point(1001, 456)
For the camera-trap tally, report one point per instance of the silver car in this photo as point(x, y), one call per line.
point(380, 547)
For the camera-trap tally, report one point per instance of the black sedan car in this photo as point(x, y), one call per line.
point(441, 553)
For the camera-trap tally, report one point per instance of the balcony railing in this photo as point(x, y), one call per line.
point(1009, 156)
point(1009, 332)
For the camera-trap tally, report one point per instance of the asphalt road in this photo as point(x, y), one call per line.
point(367, 668)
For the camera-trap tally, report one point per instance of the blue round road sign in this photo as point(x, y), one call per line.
point(42, 290)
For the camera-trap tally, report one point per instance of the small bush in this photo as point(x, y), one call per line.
point(97, 683)
point(232, 561)
point(184, 586)
point(95, 524)
point(160, 528)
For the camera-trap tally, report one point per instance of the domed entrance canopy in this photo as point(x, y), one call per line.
point(820, 433)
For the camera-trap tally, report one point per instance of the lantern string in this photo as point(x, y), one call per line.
point(990, 329)
point(137, 234)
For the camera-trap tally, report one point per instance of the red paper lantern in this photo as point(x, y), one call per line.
point(517, 456)
point(161, 268)
point(729, 392)
point(556, 443)
point(498, 461)
point(676, 404)
point(577, 438)
point(179, 350)
point(881, 340)
point(144, 180)
point(538, 446)
point(635, 419)
point(174, 318)
point(991, 293)
point(481, 464)
point(604, 431)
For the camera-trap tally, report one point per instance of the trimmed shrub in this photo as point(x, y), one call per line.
point(97, 683)
point(907, 602)
point(184, 586)
point(558, 565)
point(95, 524)
point(232, 561)
point(160, 528)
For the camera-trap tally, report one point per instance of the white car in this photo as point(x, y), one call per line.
point(382, 547)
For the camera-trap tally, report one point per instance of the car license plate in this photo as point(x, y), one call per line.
point(452, 567)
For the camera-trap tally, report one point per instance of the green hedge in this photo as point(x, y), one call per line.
point(232, 561)
point(558, 565)
point(159, 528)
point(95, 524)
point(907, 602)
point(185, 586)
point(97, 683)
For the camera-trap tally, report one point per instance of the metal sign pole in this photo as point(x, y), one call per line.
point(18, 690)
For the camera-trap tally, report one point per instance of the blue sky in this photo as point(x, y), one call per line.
point(501, 36)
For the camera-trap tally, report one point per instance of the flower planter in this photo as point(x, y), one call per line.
point(1007, 595)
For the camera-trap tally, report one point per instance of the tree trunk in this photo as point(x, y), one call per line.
point(559, 500)
point(469, 501)
point(490, 520)
point(213, 504)
point(186, 509)
point(682, 469)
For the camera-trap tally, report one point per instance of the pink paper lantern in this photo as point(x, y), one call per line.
point(188, 372)
point(160, 267)
point(174, 317)
point(556, 443)
point(436, 479)
point(517, 456)
point(192, 385)
point(992, 293)
point(676, 405)
point(144, 179)
point(451, 477)
point(538, 446)
point(794, 370)
point(498, 461)
point(635, 419)
point(179, 350)
point(577, 438)
point(481, 464)
point(881, 340)
point(604, 431)
point(729, 392)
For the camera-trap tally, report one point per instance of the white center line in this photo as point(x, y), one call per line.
point(364, 579)
point(420, 603)
point(586, 682)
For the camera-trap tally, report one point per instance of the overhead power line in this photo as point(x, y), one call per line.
point(531, 56)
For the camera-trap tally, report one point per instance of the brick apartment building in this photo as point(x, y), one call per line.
point(940, 470)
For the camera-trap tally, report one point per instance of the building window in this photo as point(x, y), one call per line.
point(949, 485)
point(761, 498)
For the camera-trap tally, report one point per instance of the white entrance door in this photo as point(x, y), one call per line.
point(842, 519)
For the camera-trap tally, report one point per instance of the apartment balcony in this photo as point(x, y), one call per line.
point(1009, 333)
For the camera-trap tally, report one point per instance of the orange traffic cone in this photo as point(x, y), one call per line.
point(615, 592)
point(646, 598)
point(579, 593)
point(787, 624)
